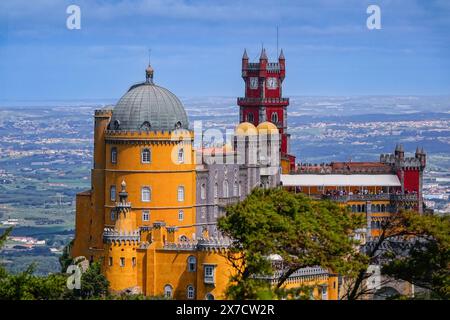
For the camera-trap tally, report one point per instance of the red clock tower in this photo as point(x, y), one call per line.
point(263, 99)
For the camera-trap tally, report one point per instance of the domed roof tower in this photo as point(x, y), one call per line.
point(147, 106)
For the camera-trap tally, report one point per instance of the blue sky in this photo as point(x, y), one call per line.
point(197, 47)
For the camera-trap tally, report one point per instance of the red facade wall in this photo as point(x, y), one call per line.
point(411, 180)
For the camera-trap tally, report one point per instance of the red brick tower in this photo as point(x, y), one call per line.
point(263, 99)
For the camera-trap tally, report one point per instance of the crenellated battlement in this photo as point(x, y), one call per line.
point(111, 235)
point(213, 243)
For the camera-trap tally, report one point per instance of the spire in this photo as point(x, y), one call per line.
point(422, 151)
point(263, 54)
point(281, 57)
point(397, 148)
point(245, 56)
point(417, 150)
point(401, 147)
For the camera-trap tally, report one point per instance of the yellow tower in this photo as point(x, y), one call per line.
point(146, 141)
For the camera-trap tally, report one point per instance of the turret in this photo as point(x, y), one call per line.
point(244, 61)
point(399, 152)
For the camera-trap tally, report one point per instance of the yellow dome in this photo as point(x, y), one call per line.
point(267, 127)
point(246, 128)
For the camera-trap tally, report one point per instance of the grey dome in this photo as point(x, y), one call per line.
point(147, 106)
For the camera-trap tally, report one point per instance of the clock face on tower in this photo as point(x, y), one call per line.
point(272, 83)
point(253, 83)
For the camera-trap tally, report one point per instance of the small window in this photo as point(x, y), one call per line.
point(110, 262)
point(114, 155)
point(274, 117)
point(145, 215)
point(181, 155)
point(133, 261)
point(180, 193)
point(209, 274)
point(190, 292)
point(240, 190)
point(146, 156)
point(122, 261)
point(203, 212)
point(146, 194)
point(216, 190)
point(235, 189)
point(209, 296)
point(113, 215)
point(216, 211)
point(112, 193)
point(203, 191)
point(192, 264)
point(168, 291)
point(250, 117)
point(181, 215)
point(183, 238)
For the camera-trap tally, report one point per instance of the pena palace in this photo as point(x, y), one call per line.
point(150, 214)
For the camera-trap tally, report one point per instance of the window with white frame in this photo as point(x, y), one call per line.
point(180, 193)
point(181, 215)
point(146, 194)
point(274, 117)
point(203, 191)
point(168, 291)
point(209, 274)
point(114, 155)
point(192, 264)
point(216, 190)
point(110, 262)
point(235, 189)
point(145, 215)
point(181, 155)
point(240, 189)
point(112, 193)
point(225, 189)
point(190, 292)
point(146, 156)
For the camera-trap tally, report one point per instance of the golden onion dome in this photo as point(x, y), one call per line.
point(267, 128)
point(245, 129)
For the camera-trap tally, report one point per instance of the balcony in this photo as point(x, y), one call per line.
point(223, 202)
point(262, 101)
point(372, 197)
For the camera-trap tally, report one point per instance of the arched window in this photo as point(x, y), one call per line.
point(359, 208)
point(225, 188)
point(180, 193)
point(240, 189)
point(216, 211)
point(112, 193)
point(250, 117)
point(203, 212)
point(114, 155)
point(181, 155)
point(190, 292)
point(235, 189)
point(209, 296)
point(353, 208)
point(146, 195)
point(274, 117)
point(168, 291)
point(383, 208)
point(113, 215)
point(203, 191)
point(146, 156)
point(181, 215)
point(192, 264)
point(183, 238)
point(216, 190)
